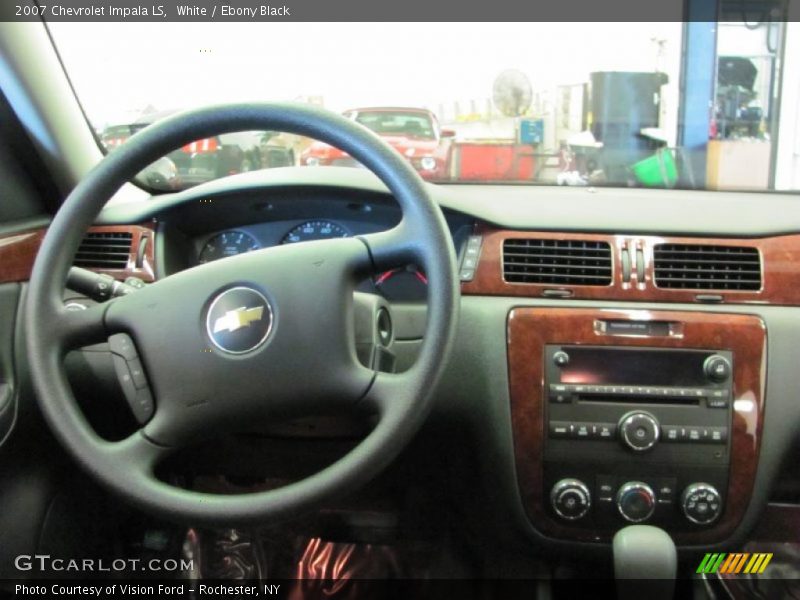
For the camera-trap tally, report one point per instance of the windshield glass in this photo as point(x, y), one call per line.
point(619, 104)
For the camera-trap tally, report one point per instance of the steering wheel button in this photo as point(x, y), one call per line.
point(137, 373)
point(122, 344)
point(144, 407)
point(123, 374)
point(139, 399)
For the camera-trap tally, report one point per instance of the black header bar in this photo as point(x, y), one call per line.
point(442, 11)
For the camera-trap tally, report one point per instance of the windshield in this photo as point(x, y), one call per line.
point(618, 104)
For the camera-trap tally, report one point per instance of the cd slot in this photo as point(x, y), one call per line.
point(630, 399)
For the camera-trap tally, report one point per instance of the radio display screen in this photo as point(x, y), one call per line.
point(593, 365)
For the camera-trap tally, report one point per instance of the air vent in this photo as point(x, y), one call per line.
point(702, 267)
point(557, 262)
point(104, 250)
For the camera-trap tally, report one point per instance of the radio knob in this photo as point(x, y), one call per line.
point(570, 499)
point(717, 368)
point(636, 501)
point(701, 503)
point(639, 430)
point(561, 358)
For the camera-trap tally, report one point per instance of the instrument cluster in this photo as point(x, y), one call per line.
point(407, 283)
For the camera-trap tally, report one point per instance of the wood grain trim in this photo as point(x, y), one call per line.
point(529, 329)
point(780, 258)
point(18, 252)
point(146, 271)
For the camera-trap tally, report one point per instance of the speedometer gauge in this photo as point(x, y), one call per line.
point(315, 230)
point(227, 243)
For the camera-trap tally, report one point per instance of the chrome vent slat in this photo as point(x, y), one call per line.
point(717, 250)
point(553, 278)
point(106, 247)
point(120, 245)
point(559, 262)
point(705, 267)
point(589, 255)
point(556, 266)
point(104, 250)
point(102, 256)
point(704, 262)
point(701, 271)
point(97, 264)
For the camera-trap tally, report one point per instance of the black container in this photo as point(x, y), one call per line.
point(624, 103)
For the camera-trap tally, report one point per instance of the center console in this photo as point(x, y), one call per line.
point(624, 417)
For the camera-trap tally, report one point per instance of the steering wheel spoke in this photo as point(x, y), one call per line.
point(388, 393)
point(76, 328)
point(139, 451)
point(391, 248)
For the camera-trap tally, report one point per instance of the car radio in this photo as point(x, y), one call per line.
point(637, 434)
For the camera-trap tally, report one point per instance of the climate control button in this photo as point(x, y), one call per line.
point(570, 499)
point(701, 503)
point(636, 501)
point(639, 430)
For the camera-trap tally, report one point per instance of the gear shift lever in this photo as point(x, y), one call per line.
point(645, 563)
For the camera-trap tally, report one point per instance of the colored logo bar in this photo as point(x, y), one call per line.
point(736, 562)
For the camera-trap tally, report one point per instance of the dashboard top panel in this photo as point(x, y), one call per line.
point(523, 207)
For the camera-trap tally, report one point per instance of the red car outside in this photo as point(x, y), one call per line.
point(413, 132)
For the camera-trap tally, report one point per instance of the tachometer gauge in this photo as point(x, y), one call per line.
point(227, 243)
point(314, 230)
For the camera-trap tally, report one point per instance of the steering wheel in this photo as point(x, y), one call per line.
point(258, 336)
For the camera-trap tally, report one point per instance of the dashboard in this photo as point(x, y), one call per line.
point(580, 383)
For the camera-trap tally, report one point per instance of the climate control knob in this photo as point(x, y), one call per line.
point(570, 499)
point(636, 501)
point(639, 430)
point(701, 503)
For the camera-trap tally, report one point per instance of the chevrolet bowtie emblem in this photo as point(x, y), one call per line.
point(238, 318)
